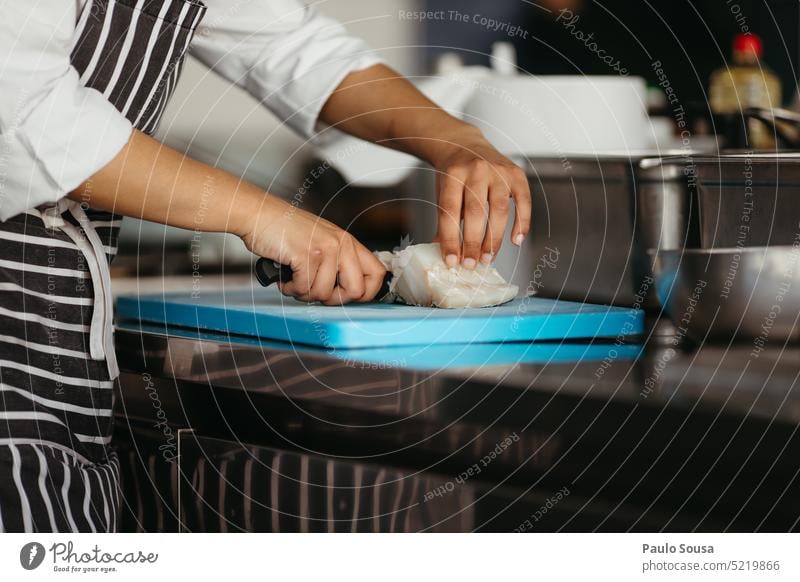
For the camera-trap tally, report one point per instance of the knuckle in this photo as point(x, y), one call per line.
point(472, 241)
point(493, 239)
point(504, 174)
point(451, 208)
point(495, 232)
point(474, 192)
point(451, 196)
point(479, 167)
point(351, 293)
point(472, 248)
point(449, 241)
point(475, 211)
point(518, 174)
point(356, 293)
point(337, 297)
point(449, 219)
point(320, 294)
point(494, 244)
point(500, 203)
point(453, 170)
point(325, 245)
point(452, 182)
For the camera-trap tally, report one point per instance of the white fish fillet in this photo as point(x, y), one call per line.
point(422, 278)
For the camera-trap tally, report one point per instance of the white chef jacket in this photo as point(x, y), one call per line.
point(55, 133)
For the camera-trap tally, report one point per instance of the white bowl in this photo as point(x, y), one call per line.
point(561, 115)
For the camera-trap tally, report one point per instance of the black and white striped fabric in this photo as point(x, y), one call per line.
point(57, 471)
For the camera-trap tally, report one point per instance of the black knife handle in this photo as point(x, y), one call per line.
point(267, 272)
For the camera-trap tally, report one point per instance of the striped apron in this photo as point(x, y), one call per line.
point(57, 362)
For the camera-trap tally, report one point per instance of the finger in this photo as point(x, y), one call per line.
point(374, 272)
point(499, 203)
point(350, 279)
point(522, 201)
point(303, 276)
point(325, 280)
point(475, 212)
point(323, 267)
point(451, 195)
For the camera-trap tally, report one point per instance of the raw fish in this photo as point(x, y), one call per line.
point(422, 278)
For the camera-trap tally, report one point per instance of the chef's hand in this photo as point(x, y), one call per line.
point(475, 180)
point(476, 183)
point(329, 265)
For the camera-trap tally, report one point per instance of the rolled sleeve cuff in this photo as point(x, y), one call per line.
point(72, 133)
point(300, 102)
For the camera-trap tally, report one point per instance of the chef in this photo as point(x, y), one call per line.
point(83, 84)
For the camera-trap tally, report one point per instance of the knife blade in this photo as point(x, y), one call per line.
point(269, 272)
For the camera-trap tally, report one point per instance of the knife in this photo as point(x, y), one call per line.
point(269, 272)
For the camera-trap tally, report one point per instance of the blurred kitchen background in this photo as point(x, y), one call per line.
point(376, 197)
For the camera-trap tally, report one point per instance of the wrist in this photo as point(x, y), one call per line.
point(456, 139)
point(252, 213)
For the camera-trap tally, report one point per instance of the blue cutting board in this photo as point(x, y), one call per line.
point(425, 357)
point(265, 313)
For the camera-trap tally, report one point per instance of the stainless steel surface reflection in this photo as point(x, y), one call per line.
point(594, 218)
point(748, 199)
point(750, 294)
point(672, 440)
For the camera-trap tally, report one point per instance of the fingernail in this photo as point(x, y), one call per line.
point(486, 258)
point(518, 239)
point(469, 263)
point(451, 260)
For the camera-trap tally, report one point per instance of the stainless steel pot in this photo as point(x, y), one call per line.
point(599, 215)
point(748, 199)
point(732, 294)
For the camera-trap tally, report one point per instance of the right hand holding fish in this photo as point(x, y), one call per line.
point(329, 265)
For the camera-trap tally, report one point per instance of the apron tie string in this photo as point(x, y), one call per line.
point(101, 334)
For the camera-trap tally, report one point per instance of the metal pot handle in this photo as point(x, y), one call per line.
point(769, 117)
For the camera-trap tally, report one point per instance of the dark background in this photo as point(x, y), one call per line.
point(690, 37)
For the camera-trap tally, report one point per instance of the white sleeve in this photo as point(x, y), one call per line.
point(54, 132)
point(282, 52)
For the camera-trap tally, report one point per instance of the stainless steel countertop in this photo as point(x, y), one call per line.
point(735, 379)
point(704, 437)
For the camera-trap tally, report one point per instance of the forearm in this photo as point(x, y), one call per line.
point(381, 106)
point(153, 182)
